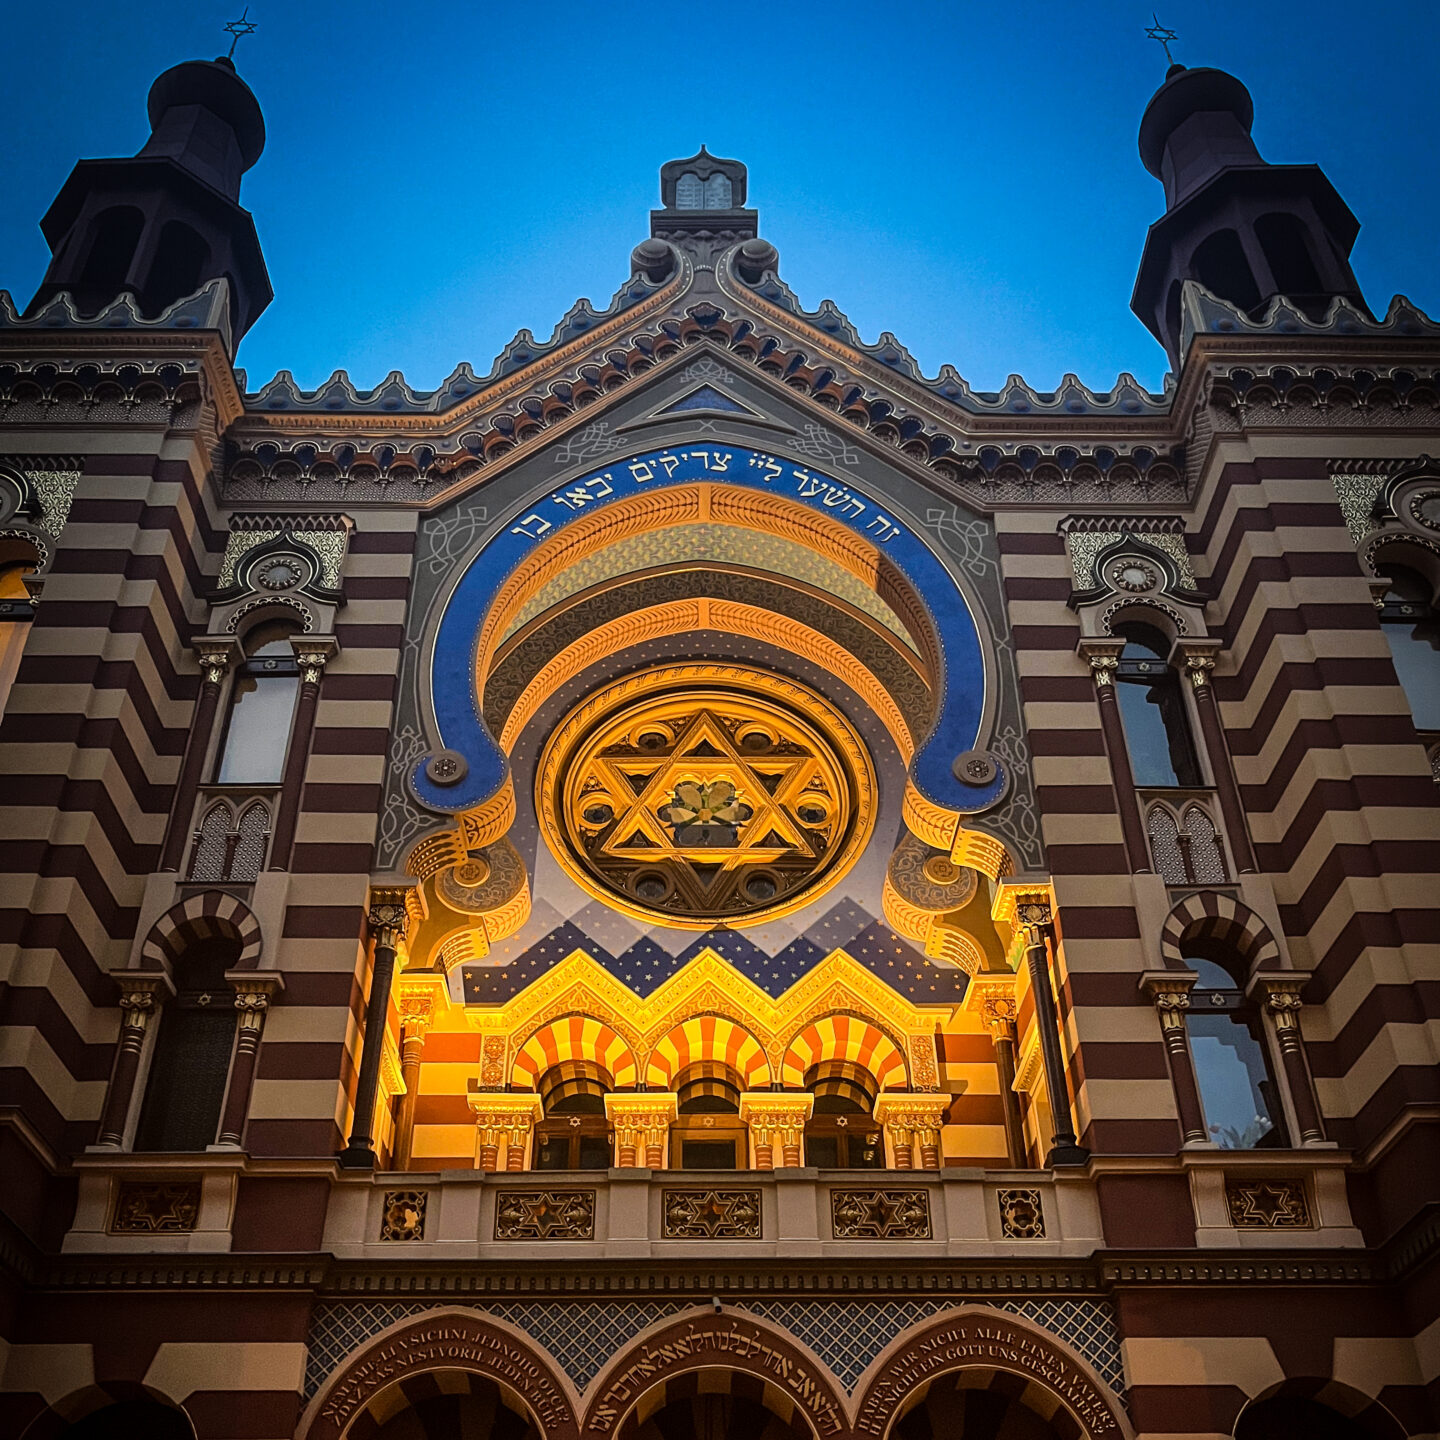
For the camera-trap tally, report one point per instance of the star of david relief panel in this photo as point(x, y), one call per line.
point(686, 683)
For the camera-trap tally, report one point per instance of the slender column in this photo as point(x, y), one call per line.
point(1199, 662)
point(417, 1011)
point(312, 652)
point(1104, 659)
point(140, 998)
point(1169, 990)
point(913, 1121)
point(642, 1119)
point(216, 654)
point(1282, 1000)
point(777, 1118)
point(1033, 922)
point(386, 919)
point(999, 1011)
point(252, 1000)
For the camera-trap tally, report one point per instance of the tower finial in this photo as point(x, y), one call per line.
point(236, 28)
point(1162, 36)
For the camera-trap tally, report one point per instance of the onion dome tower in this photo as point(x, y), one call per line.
point(162, 223)
point(1245, 229)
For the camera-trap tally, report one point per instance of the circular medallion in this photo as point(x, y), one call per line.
point(699, 795)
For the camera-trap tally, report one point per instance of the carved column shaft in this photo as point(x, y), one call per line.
point(999, 1014)
point(412, 1047)
point(1172, 999)
point(136, 1008)
point(387, 924)
point(312, 667)
point(1212, 732)
point(1034, 923)
point(252, 1005)
point(1112, 730)
point(1284, 1007)
point(213, 666)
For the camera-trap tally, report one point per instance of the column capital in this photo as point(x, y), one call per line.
point(418, 998)
point(388, 915)
point(776, 1109)
point(1279, 991)
point(992, 997)
point(1196, 655)
point(504, 1110)
point(910, 1110)
point(1102, 654)
point(642, 1109)
point(216, 653)
point(1025, 905)
point(143, 989)
point(313, 652)
point(1169, 992)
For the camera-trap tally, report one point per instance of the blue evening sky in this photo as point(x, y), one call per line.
point(439, 175)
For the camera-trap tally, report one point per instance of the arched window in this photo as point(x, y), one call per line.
point(1227, 1041)
point(262, 703)
point(1221, 267)
point(107, 266)
point(840, 1133)
point(575, 1134)
point(15, 614)
point(179, 263)
point(191, 1064)
point(1297, 1417)
point(1407, 616)
point(1152, 706)
point(708, 1134)
point(1287, 252)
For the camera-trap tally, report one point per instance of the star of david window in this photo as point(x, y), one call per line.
point(700, 795)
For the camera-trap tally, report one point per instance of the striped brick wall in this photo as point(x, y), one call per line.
point(91, 744)
point(1337, 787)
point(309, 1057)
point(1124, 1102)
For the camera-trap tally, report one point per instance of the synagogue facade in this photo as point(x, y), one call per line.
point(702, 882)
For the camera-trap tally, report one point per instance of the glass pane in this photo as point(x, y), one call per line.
point(259, 729)
point(707, 1154)
point(823, 1150)
point(1144, 710)
point(1416, 648)
point(594, 1152)
point(187, 1077)
point(1235, 1085)
point(867, 1153)
point(553, 1153)
point(1213, 976)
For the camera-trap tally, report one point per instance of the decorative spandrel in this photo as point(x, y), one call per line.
point(704, 794)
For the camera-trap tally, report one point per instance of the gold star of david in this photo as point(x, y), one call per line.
point(704, 756)
point(676, 797)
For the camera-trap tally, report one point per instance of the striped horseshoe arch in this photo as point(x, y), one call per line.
point(708, 1037)
point(205, 916)
point(574, 1037)
point(844, 1037)
point(1209, 916)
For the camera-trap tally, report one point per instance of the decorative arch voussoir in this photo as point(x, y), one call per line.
point(1210, 915)
point(199, 917)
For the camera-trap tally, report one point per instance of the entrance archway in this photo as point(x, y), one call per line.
point(985, 1374)
point(443, 1374)
point(714, 1375)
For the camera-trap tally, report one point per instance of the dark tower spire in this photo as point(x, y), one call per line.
point(161, 224)
point(1245, 229)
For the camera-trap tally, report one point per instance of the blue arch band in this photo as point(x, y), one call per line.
point(452, 674)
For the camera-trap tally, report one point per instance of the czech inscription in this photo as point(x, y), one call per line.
point(453, 1343)
point(980, 1341)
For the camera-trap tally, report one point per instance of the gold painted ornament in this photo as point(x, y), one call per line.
point(706, 794)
